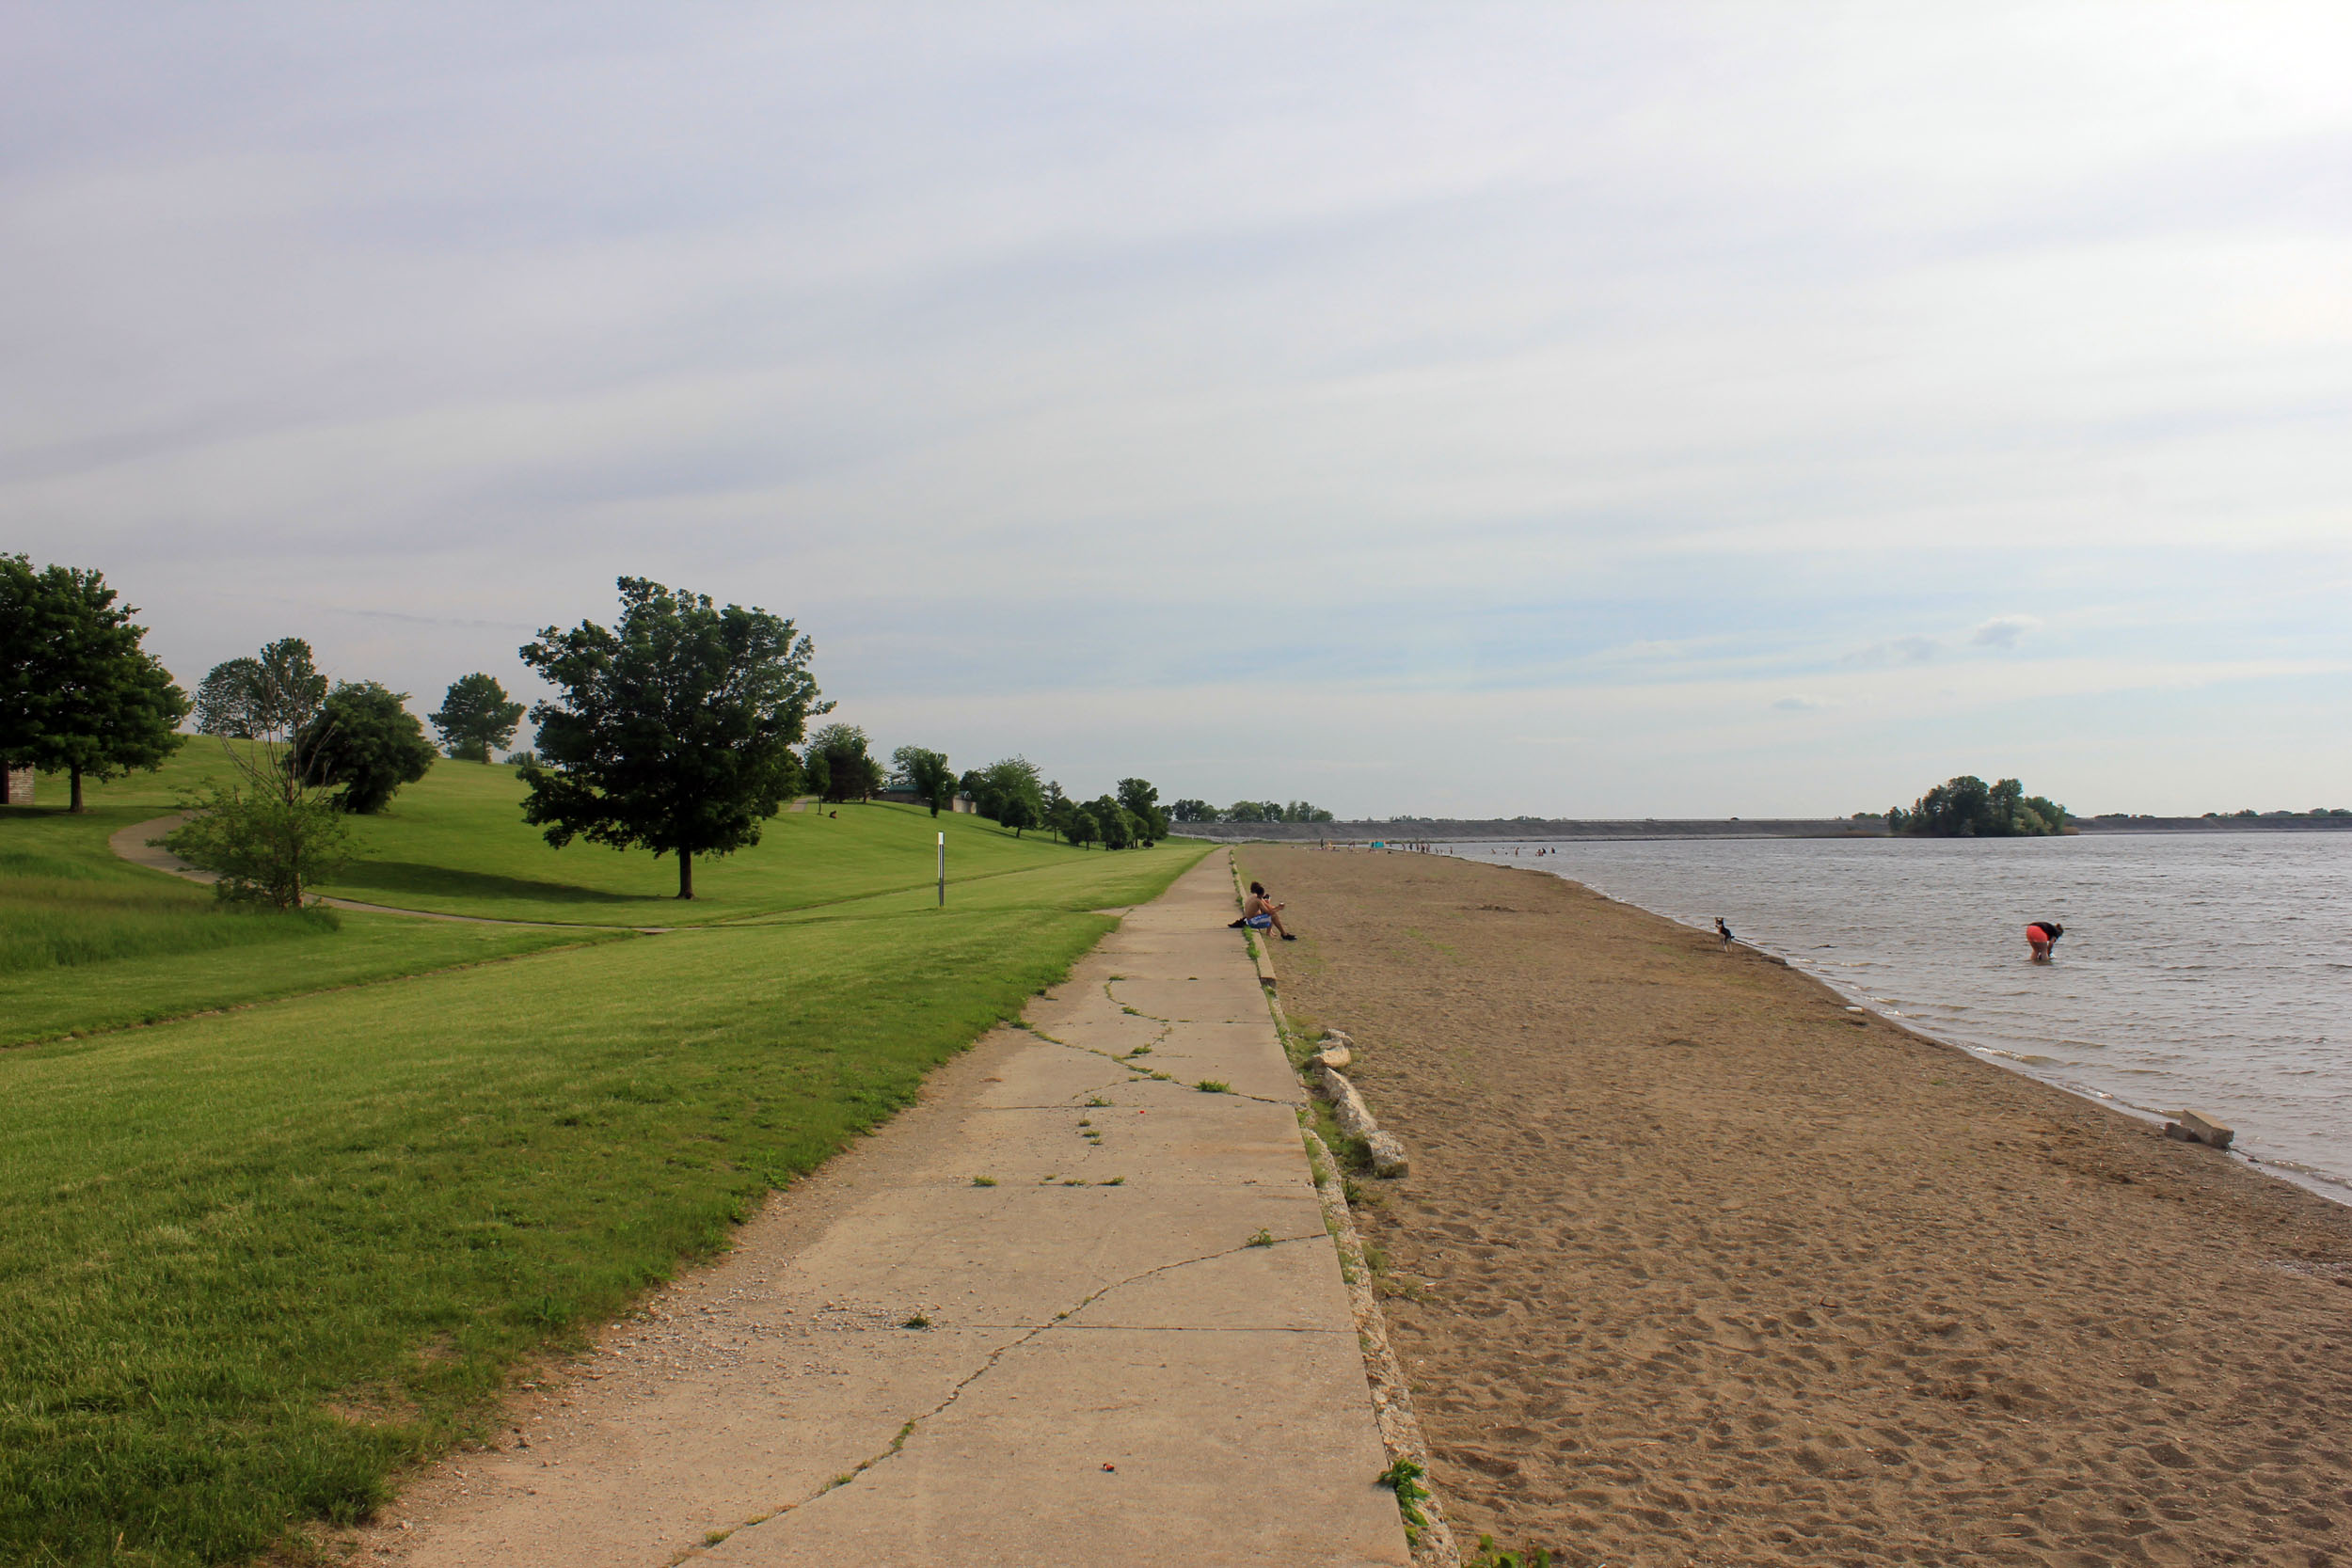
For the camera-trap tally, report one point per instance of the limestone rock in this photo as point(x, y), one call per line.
point(2194, 1128)
point(1388, 1156)
point(1347, 1106)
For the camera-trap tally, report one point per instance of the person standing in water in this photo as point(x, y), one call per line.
point(2042, 936)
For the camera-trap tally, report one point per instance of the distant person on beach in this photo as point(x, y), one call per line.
point(1260, 912)
point(2042, 936)
point(1723, 931)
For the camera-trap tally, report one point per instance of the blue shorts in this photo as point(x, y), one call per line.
point(1259, 922)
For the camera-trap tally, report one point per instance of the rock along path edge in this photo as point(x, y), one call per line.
point(1130, 1339)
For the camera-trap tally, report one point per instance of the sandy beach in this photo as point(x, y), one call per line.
point(1694, 1266)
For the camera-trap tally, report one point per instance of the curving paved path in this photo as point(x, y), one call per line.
point(1106, 1369)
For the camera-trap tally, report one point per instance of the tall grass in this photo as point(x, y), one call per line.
point(56, 922)
point(66, 901)
point(88, 941)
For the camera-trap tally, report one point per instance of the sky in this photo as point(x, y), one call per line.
point(1451, 409)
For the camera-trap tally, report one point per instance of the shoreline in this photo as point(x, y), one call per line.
point(1694, 1264)
point(2313, 1181)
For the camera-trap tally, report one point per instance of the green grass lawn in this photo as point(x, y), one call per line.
point(456, 843)
point(252, 1262)
point(88, 941)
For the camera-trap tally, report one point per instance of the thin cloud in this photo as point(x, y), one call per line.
point(1803, 704)
point(1899, 650)
point(2004, 631)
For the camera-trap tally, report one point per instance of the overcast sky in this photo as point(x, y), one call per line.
point(1626, 409)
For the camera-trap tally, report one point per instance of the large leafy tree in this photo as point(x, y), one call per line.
point(1020, 811)
point(78, 695)
point(674, 730)
point(925, 773)
point(1114, 822)
point(1142, 802)
point(476, 717)
point(1012, 793)
point(223, 704)
point(365, 742)
point(268, 698)
point(841, 765)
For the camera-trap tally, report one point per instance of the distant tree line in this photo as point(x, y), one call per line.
point(839, 767)
point(1967, 807)
point(1250, 810)
point(2258, 816)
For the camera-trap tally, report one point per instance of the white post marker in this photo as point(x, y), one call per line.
point(942, 870)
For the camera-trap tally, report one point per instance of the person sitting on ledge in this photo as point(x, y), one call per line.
point(1260, 912)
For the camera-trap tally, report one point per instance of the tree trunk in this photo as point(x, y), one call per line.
point(76, 774)
point(685, 875)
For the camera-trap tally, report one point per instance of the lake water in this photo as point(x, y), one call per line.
point(2207, 971)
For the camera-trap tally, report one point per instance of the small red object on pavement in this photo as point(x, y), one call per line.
point(1110, 1467)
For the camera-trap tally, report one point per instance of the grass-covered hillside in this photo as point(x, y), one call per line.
point(457, 843)
point(88, 941)
point(252, 1261)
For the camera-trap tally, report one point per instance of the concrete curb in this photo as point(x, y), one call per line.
point(1433, 1544)
point(1348, 1109)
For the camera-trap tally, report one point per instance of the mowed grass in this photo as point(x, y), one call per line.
point(456, 843)
point(90, 941)
point(253, 1262)
point(82, 999)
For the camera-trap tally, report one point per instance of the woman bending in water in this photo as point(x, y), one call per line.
point(2042, 936)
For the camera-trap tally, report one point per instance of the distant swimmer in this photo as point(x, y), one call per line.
point(2042, 936)
point(1723, 931)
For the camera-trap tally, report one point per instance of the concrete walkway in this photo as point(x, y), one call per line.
point(1104, 1367)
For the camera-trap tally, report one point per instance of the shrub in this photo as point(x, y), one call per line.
point(264, 850)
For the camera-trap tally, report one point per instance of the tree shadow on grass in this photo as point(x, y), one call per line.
point(392, 879)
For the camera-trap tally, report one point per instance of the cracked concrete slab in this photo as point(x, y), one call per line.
point(1132, 1342)
point(1116, 1446)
